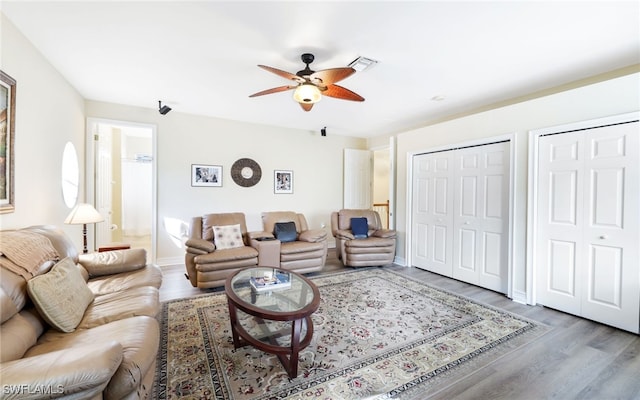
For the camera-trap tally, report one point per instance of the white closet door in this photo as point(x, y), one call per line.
point(432, 231)
point(560, 216)
point(612, 275)
point(588, 217)
point(480, 206)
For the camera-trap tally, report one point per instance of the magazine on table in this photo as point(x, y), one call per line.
point(278, 280)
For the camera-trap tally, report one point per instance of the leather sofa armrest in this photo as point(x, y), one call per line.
point(259, 234)
point(344, 234)
point(204, 246)
point(313, 235)
point(113, 262)
point(67, 373)
point(384, 233)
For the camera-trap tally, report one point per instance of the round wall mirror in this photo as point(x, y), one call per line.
point(70, 175)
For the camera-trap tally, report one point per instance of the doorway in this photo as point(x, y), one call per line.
point(121, 181)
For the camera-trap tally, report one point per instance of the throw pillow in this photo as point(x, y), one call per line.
point(359, 227)
point(61, 295)
point(285, 231)
point(227, 237)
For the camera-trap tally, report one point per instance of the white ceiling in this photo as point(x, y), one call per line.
point(201, 57)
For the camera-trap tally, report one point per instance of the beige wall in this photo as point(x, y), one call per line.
point(49, 113)
point(184, 139)
point(612, 97)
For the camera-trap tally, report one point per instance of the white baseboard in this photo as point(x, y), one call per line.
point(519, 297)
point(400, 261)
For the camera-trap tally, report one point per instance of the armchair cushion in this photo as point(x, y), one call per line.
point(61, 295)
point(359, 227)
point(285, 231)
point(227, 237)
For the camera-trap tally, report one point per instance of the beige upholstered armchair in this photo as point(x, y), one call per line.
point(218, 245)
point(301, 249)
point(373, 246)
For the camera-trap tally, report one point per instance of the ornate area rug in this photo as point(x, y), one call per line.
point(377, 334)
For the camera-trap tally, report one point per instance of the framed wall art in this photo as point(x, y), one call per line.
point(7, 138)
point(282, 181)
point(206, 175)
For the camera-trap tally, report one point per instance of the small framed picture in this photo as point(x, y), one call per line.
point(206, 175)
point(282, 181)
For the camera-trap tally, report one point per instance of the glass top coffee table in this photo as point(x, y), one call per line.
point(274, 319)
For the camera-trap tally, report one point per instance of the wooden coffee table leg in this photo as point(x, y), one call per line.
point(233, 316)
point(295, 347)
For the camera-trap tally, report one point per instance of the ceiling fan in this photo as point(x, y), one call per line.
point(311, 85)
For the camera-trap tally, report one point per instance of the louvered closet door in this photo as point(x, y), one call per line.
point(480, 222)
point(432, 216)
point(588, 217)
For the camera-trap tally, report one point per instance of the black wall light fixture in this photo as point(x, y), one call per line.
point(323, 131)
point(163, 109)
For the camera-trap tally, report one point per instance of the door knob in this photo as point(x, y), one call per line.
point(604, 237)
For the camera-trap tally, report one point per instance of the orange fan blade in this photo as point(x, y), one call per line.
point(284, 74)
point(329, 76)
point(306, 106)
point(274, 90)
point(342, 93)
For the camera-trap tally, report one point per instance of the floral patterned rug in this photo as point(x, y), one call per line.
point(377, 334)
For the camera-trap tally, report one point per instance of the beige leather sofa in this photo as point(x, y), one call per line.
point(110, 353)
point(209, 266)
point(307, 253)
point(377, 249)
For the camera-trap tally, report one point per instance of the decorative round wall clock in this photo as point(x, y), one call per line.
point(246, 172)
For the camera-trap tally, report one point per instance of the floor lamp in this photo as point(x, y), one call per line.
point(84, 214)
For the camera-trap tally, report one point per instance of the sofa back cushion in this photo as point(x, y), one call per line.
point(271, 218)
point(211, 220)
point(345, 216)
point(61, 295)
point(59, 240)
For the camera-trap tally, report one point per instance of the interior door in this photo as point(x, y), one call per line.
point(357, 179)
point(588, 217)
point(480, 222)
point(103, 183)
point(432, 216)
point(612, 208)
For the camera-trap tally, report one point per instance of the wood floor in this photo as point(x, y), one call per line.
point(577, 359)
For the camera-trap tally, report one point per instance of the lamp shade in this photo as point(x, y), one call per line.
point(83, 213)
point(307, 93)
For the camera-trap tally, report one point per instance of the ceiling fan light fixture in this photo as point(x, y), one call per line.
point(307, 93)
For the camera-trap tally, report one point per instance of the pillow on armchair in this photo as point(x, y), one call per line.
point(359, 227)
point(285, 231)
point(227, 237)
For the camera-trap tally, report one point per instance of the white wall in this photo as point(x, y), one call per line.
point(49, 113)
point(616, 96)
point(185, 139)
